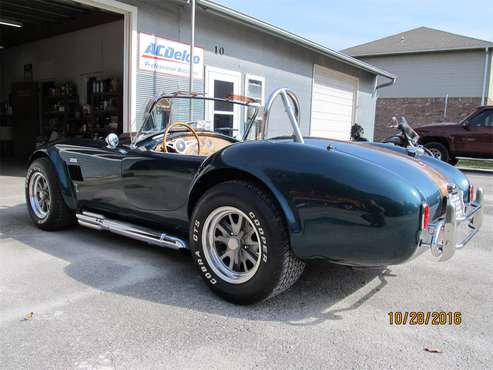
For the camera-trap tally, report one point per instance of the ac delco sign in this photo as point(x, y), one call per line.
point(169, 57)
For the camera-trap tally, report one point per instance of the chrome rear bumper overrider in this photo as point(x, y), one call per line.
point(442, 237)
point(99, 222)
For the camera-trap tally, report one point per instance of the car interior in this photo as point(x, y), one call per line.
point(192, 142)
point(170, 134)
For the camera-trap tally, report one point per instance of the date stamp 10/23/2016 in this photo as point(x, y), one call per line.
point(416, 318)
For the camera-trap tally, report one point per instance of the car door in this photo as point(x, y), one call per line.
point(478, 141)
point(95, 171)
point(158, 182)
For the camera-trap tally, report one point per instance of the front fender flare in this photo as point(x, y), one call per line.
point(61, 171)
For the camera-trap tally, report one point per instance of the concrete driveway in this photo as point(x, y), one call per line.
point(100, 301)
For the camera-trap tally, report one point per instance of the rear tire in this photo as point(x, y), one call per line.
point(240, 245)
point(438, 150)
point(44, 199)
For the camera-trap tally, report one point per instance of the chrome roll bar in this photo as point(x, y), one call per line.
point(292, 108)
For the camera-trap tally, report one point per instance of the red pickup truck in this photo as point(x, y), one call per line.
point(472, 137)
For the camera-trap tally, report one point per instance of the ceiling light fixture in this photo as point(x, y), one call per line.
point(8, 22)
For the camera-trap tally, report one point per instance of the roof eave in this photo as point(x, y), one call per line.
point(423, 51)
point(221, 10)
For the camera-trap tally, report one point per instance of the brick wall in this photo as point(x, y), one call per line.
point(420, 111)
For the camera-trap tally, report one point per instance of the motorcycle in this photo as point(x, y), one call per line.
point(406, 137)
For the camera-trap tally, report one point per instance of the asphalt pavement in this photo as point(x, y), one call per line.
point(100, 301)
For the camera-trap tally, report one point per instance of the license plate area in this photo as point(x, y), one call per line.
point(457, 199)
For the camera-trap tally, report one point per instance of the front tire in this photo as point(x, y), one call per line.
point(438, 150)
point(240, 245)
point(44, 199)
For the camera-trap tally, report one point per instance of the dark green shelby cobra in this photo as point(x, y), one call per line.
point(250, 209)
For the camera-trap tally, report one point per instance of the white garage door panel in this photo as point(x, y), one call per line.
point(333, 103)
point(343, 100)
point(331, 109)
point(322, 102)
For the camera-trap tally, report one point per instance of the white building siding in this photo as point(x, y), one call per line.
point(490, 83)
point(458, 74)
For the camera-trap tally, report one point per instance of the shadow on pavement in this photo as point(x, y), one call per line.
point(114, 264)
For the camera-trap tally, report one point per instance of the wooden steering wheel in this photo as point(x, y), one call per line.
point(180, 145)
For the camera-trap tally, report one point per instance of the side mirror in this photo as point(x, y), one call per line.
point(466, 125)
point(112, 141)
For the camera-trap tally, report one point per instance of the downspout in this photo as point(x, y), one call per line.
point(374, 95)
point(485, 75)
point(379, 86)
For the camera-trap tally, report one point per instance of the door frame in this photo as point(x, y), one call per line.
point(212, 74)
point(130, 44)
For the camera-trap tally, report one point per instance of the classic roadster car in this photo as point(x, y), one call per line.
point(253, 209)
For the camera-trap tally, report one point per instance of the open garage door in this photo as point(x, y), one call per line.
point(333, 103)
point(65, 71)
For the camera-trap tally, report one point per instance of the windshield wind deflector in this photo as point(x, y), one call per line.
point(164, 110)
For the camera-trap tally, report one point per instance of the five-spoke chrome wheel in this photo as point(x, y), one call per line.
point(231, 245)
point(39, 195)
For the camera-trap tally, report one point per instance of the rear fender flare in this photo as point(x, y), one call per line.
point(213, 172)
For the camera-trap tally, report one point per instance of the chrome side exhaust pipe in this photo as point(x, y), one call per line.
point(102, 223)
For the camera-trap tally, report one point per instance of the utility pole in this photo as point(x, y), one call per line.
point(192, 46)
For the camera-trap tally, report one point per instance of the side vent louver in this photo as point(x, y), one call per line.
point(75, 172)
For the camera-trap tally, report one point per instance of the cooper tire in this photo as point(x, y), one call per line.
point(51, 212)
point(278, 268)
point(438, 150)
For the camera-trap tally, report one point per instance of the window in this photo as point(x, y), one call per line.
point(254, 88)
point(483, 119)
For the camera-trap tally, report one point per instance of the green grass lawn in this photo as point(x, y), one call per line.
point(479, 164)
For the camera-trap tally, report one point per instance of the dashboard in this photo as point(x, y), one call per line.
point(186, 144)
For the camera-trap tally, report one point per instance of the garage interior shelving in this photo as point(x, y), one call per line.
point(61, 73)
point(60, 110)
point(105, 101)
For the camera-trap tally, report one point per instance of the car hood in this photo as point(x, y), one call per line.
point(437, 125)
point(429, 176)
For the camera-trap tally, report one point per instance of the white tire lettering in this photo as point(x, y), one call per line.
point(263, 239)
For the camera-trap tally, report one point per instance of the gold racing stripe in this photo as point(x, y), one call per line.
point(437, 177)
